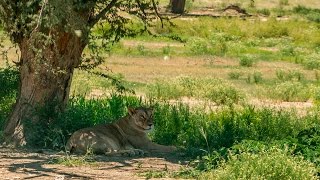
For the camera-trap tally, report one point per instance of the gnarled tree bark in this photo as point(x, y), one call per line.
point(42, 80)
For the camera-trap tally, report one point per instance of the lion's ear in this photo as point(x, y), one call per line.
point(131, 111)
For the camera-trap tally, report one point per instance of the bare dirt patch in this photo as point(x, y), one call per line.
point(22, 164)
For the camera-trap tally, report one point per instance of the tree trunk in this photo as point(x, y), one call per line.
point(42, 79)
point(177, 6)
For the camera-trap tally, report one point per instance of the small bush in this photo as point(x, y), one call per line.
point(256, 77)
point(224, 94)
point(289, 75)
point(264, 11)
point(215, 90)
point(283, 2)
point(288, 50)
point(291, 91)
point(301, 9)
point(164, 90)
point(312, 64)
point(310, 14)
point(218, 43)
point(307, 144)
point(141, 49)
point(246, 61)
point(314, 16)
point(268, 164)
point(166, 50)
point(198, 46)
point(235, 75)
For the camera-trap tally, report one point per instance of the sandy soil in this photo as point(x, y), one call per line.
point(22, 164)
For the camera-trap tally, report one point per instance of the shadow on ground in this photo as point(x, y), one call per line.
point(25, 164)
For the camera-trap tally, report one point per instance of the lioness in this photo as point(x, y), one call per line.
point(127, 135)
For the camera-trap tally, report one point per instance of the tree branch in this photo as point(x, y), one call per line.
point(156, 11)
point(40, 15)
point(96, 18)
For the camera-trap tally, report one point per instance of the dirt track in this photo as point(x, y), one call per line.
point(19, 164)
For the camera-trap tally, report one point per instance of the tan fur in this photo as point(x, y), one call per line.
point(128, 133)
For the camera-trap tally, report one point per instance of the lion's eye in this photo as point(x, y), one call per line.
point(142, 117)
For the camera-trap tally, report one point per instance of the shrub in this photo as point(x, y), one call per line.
point(264, 11)
point(268, 164)
point(291, 91)
point(164, 90)
point(235, 75)
point(198, 46)
point(218, 43)
point(283, 2)
point(289, 75)
point(311, 14)
point(215, 90)
point(314, 16)
point(166, 50)
point(224, 94)
point(301, 9)
point(307, 144)
point(256, 77)
point(246, 61)
point(141, 49)
point(312, 62)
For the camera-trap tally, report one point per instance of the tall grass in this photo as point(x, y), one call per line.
point(291, 40)
point(214, 90)
point(176, 124)
point(268, 164)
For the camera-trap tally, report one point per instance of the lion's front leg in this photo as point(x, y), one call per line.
point(146, 144)
point(154, 147)
point(126, 152)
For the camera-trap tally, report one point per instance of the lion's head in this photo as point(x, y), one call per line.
point(142, 118)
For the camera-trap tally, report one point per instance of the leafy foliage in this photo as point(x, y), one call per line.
point(273, 163)
point(43, 22)
point(308, 144)
point(9, 80)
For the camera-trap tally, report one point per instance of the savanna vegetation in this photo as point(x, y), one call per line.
point(239, 96)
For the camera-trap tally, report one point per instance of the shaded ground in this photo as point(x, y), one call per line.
point(21, 164)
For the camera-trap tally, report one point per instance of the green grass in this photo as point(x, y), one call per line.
point(267, 164)
point(292, 40)
point(214, 90)
point(75, 161)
